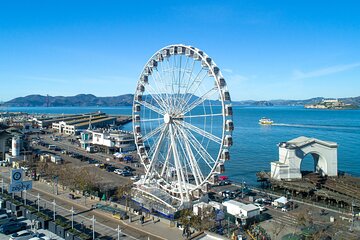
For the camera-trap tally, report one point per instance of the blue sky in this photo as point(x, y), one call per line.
point(265, 49)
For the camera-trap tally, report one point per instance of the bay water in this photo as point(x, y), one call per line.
point(255, 146)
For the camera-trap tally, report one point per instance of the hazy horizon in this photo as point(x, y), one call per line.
point(232, 99)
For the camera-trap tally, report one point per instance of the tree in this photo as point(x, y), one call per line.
point(124, 191)
point(203, 221)
point(277, 228)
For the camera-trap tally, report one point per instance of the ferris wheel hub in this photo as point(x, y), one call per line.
point(167, 118)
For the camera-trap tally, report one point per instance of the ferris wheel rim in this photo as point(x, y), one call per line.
point(162, 111)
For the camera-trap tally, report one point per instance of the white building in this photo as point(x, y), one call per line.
point(241, 210)
point(74, 125)
point(109, 140)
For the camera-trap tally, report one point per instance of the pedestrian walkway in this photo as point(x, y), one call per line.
point(158, 228)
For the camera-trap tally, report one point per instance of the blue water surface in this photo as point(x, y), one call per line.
point(255, 146)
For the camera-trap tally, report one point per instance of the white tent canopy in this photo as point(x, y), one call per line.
point(118, 155)
point(280, 201)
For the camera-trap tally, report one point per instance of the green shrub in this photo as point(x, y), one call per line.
point(62, 222)
point(43, 216)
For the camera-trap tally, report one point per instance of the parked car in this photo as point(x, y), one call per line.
point(126, 174)
point(110, 168)
point(135, 178)
point(93, 161)
point(129, 169)
point(5, 218)
point(223, 183)
point(12, 227)
point(23, 235)
point(118, 171)
point(260, 206)
point(285, 208)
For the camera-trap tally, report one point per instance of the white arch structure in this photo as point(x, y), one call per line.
point(291, 154)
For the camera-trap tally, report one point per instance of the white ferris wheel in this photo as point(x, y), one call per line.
point(182, 122)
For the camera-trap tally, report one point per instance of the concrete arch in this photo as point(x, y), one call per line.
point(292, 153)
point(320, 161)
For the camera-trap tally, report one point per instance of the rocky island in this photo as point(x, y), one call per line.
point(332, 104)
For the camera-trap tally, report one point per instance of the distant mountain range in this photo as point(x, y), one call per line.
point(86, 100)
point(81, 100)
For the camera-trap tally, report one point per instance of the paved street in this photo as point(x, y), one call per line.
point(105, 223)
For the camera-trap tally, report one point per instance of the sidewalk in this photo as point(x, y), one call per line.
point(158, 229)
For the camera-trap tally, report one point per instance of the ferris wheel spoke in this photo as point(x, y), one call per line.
point(203, 115)
point(187, 108)
point(194, 80)
point(151, 119)
point(178, 167)
point(198, 176)
point(166, 162)
point(158, 98)
point(200, 131)
point(201, 150)
point(151, 107)
point(153, 132)
point(156, 151)
point(196, 83)
point(160, 79)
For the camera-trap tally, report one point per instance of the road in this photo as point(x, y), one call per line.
point(105, 224)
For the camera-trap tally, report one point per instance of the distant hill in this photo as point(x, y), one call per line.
point(86, 100)
point(81, 100)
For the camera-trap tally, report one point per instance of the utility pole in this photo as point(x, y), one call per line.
point(93, 226)
point(54, 204)
point(55, 188)
point(228, 227)
point(118, 232)
point(352, 216)
point(72, 217)
point(2, 185)
point(38, 201)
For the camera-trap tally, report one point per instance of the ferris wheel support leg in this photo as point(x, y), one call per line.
point(192, 161)
point(156, 152)
point(179, 172)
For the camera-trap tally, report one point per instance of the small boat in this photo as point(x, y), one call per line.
point(265, 121)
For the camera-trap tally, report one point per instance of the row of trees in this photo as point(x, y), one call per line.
point(75, 178)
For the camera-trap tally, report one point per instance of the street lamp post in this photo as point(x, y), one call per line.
point(2, 185)
point(93, 226)
point(118, 232)
point(86, 194)
point(72, 217)
point(352, 216)
point(38, 201)
point(55, 188)
point(54, 204)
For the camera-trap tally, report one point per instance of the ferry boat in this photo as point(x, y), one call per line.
point(265, 121)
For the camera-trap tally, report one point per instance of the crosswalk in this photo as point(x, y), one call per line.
point(285, 219)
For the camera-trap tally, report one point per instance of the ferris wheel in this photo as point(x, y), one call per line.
point(182, 121)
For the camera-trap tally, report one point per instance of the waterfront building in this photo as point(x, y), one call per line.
point(75, 125)
point(109, 141)
point(244, 213)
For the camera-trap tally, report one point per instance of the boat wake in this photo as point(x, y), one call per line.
point(317, 126)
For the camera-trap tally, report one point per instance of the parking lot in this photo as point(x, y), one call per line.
point(40, 233)
point(107, 169)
